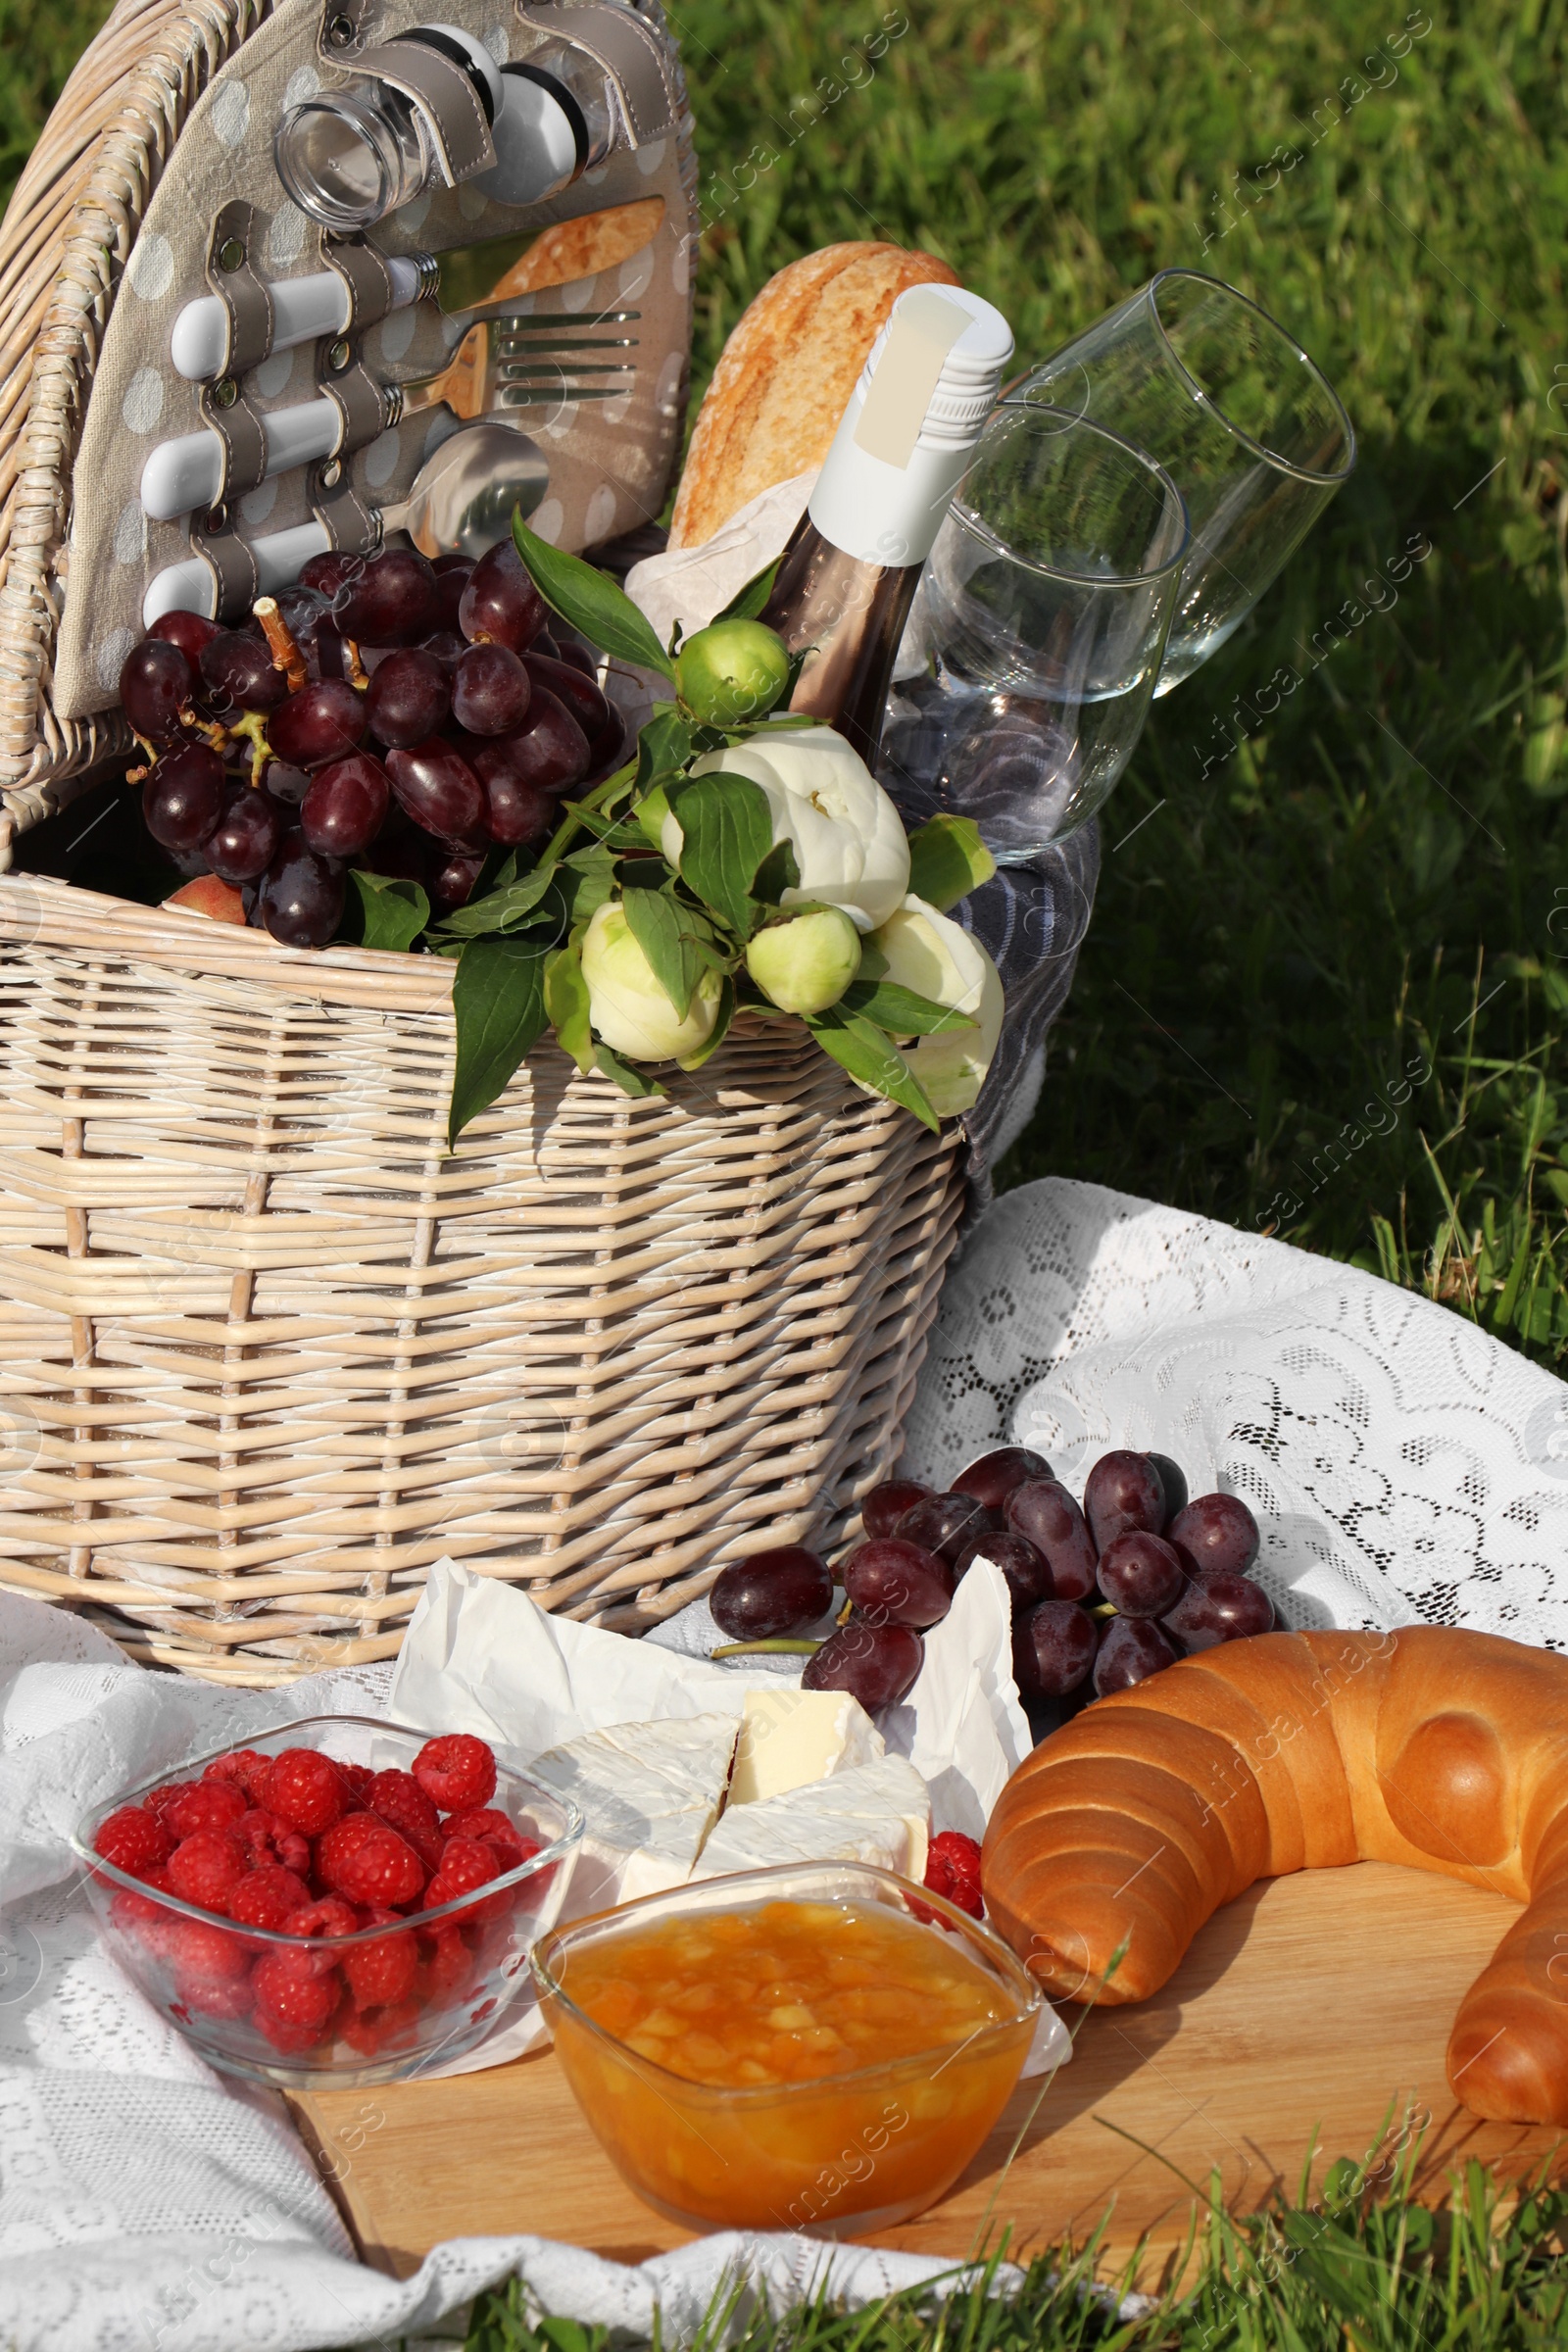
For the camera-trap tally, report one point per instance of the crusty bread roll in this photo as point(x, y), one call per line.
point(785, 376)
point(1440, 1748)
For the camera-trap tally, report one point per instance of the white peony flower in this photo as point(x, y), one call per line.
point(848, 840)
point(928, 952)
point(626, 1005)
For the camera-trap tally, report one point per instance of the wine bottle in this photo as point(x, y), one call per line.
point(847, 579)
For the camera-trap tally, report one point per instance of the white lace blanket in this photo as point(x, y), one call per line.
point(1405, 1467)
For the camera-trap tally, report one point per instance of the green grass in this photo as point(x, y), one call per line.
point(1372, 880)
point(1342, 2272)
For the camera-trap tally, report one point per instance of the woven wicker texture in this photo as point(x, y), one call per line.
point(266, 1351)
point(63, 242)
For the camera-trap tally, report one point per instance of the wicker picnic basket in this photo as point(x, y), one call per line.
point(266, 1349)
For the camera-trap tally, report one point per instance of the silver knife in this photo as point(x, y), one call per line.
point(467, 278)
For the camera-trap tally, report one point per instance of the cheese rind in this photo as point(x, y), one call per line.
point(790, 1738)
point(878, 1813)
point(650, 1794)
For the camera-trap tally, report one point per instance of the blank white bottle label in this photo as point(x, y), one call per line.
point(923, 330)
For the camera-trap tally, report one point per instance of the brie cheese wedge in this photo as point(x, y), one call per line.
point(792, 1737)
point(878, 1812)
point(650, 1794)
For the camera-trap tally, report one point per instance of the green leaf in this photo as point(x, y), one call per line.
point(654, 923)
point(900, 1011)
point(591, 601)
point(664, 748)
point(566, 1004)
point(503, 909)
point(588, 882)
point(749, 601)
point(631, 1081)
point(395, 912)
point(711, 1044)
point(777, 873)
point(946, 860)
point(498, 1002)
point(727, 831)
point(870, 1055)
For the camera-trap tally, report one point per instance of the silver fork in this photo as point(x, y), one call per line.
point(525, 363)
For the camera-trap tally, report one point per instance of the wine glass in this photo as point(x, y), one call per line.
point(1244, 423)
point(1038, 631)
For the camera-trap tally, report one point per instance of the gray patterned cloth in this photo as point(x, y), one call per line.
point(1031, 919)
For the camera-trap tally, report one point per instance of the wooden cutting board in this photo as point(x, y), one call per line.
point(1303, 2015)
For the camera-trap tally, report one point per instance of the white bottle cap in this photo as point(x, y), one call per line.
point(905, 440)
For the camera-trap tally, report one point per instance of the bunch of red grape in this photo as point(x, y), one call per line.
point(1105, 1593)
point(385, 713)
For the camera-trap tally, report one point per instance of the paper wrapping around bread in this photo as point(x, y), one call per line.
point(785, 376)
point(1434, 1746)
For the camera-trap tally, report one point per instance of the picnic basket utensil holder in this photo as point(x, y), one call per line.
point(267, 1350)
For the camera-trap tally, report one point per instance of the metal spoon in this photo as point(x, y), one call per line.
point(460, 503)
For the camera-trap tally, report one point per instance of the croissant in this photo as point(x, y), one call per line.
point(1440, 1748)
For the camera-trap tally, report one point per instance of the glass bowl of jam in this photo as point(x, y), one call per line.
point(820, 2048)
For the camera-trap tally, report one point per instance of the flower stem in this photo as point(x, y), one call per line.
point(601, 793)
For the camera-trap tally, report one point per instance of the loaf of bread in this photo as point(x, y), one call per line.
point(1443, 1750)
point(785, 376)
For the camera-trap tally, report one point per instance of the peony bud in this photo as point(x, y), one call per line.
point(806, 965)
point(628, 1009)
point(927, 952)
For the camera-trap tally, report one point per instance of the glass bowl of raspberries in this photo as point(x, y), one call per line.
point(343, 1901)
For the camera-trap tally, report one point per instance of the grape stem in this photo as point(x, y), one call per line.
point(358, 675)
point(285, 653)
point(215, 737)
point(778, 1648)
point(252, 724)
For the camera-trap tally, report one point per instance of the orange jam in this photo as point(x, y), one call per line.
point(870, 2055)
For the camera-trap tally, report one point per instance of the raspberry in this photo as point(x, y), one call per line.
point(204, 1805)
point(196, 1952)
point(243, 1767)
point(457, 1773)
point(402, 1804)
point(268, 1837)
point(376, 1866)
point(205, 1867)
point(495, 1830)
point(357, 1779)
point(382, 1973)
point(290, 2040)
point(306, 1787)
point(215, 1996)
point(265, 1897)
point(290, 1995)
point(134, 1840)
point(467, 1862)
point(331, 1916)
point(399, 1799)
point(137, 1913)
point(447, 1966)
point(952, 1869)
point(157, 1799)
point(370, 2033)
